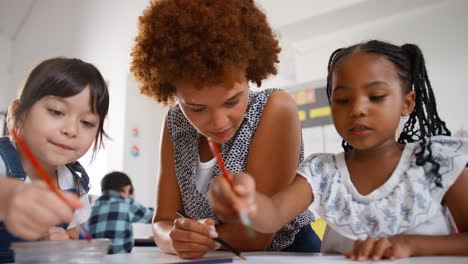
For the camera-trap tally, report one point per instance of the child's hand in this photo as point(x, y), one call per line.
point(32, 209)
point(387, 247)
point(192, 239)
point(56, 233)
point(228, 202)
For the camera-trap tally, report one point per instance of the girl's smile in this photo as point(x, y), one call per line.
point(62, 146)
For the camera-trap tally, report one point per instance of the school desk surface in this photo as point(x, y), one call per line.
point(153, 255)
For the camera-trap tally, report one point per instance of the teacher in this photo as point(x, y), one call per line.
point(199, 56)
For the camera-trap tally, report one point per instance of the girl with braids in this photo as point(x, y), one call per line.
point(199, 56)
point(381, 197)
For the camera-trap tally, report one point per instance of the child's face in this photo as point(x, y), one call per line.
point(216, 111)
point(60, 130)
point(367, 100)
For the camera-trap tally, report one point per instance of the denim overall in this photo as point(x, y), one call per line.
point(14, 169)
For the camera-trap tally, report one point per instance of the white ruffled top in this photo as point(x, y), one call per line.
point(408, 202)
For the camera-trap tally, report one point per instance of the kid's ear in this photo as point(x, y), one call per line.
point(408, 103)
point(11, 110)
point(14, 105)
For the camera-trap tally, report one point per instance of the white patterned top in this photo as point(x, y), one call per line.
point(409, 202)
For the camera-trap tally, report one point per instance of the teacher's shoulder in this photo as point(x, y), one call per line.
point(281, 106)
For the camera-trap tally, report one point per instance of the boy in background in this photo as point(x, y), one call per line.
point(114, 212)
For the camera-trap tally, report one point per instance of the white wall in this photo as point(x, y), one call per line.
point(147, 117)
point(5, 59)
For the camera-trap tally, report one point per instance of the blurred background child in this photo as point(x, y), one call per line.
point(114, 212)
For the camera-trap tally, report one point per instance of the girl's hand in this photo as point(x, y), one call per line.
point(32, 209)
point(387, 247)
point(227, 202)
point(192, 239)
point(56, 233)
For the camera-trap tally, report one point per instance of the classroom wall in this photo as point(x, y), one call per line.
point(5, 60)
point(143, 124)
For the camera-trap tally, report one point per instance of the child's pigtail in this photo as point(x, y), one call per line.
point(425, 114)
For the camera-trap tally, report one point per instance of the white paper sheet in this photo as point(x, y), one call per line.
point(154, 255)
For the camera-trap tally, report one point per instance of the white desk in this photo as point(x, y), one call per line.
point(153, 255)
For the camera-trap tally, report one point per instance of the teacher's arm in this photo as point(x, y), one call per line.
point(175, 235)
point(272, 161)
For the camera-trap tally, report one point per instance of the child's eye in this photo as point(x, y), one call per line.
point(341, 101)
point(55, 112)
point(376, 97)
point(88, 124)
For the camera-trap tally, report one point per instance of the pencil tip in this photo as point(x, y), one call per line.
point(242, 257)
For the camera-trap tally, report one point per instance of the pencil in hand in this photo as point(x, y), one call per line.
point(242, 214)
point(219, 240)
point(45, 177)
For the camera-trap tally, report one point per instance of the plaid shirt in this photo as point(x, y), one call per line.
point(112, 216)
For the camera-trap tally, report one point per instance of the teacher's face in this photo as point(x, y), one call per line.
point(216, 111)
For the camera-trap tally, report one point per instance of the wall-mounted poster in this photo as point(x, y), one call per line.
point(135, 142)
point(318, 132)
point(135, 151)
point(312, 104)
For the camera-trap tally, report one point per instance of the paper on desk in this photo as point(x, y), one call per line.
point(153, 255)
point(308, 258)
point(297, 258)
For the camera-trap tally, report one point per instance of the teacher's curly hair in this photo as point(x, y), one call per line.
point(201, 41)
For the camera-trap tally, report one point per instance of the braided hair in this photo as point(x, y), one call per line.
point(424, 121)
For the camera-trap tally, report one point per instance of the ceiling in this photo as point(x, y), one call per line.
point(300, 17)
point(281, 12)
point(13, 14)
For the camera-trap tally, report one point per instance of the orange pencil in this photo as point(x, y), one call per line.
point(44, 176)
point(242, 214)
point(226, 175)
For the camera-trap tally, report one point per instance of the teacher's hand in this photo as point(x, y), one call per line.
point(192, 239)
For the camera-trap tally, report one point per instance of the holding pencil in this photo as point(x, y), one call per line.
point(47, 179)
point(60, 114)
point(217, 239)
point(242, 214)
point(22, 202)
